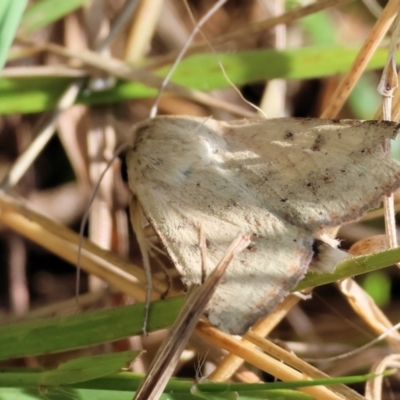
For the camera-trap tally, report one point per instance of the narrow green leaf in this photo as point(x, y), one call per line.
point(129, 382)
point(91, 394)
point(75, 331)
point(73, 371)
point(10, 15)
point(202, 72)
point(351, 267)
point(44, 12)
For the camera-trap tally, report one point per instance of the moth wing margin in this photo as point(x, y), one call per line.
point(316, 172)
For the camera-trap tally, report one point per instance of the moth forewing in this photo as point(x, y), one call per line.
point(280, 179)
point(323, 163)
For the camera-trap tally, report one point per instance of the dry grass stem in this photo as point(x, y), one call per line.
point(26, 159)
point(231, 363)
point(262, 361)
point(292, 360)
point(373, 388)
point(64, 242)
point(366, 308)
point(370, 45)
point(386, 88)
point(170, 351)
point(142, 29)
point(45, 71)
point(122, 70)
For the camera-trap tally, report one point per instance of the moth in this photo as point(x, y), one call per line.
point(284, 180)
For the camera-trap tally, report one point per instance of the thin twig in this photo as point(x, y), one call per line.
point(386, 88)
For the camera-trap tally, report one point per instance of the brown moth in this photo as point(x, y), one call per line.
point(284, 180)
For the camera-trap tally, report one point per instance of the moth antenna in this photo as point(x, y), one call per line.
point(221, 66)
point(203, 20)
point(260, 110)
point(167, 276)
point(154, 249)
point(136, 213)
point(85, 217)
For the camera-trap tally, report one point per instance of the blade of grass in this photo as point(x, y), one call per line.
point(10, 15)
point(129, 382)
point(352, 267)
point(45, 12)
point(90, 394)
point(66, 333)
point(34, 94)
point(76, 331)
point(73, 371)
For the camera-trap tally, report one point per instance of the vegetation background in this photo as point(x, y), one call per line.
point(64, 112)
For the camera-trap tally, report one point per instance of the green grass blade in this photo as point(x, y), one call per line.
point(351, 267)
point(91, 394)
point(73, 371)
point(127, 382)
point(202, 72)
point(76, 331)
point(44, 12)
point(10, 15)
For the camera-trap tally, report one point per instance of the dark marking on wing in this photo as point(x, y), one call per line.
point(318, 143)
point(288, 135)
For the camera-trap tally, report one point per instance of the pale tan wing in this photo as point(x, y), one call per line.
point(178, 189)
point(314, 172)
point(273, 178)
point(257, 279)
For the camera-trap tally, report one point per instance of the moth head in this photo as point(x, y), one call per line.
point(167, 149)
